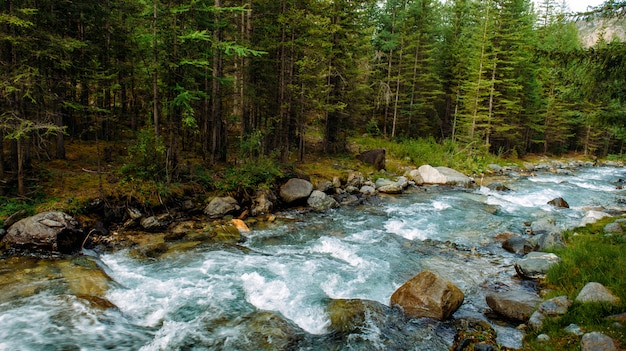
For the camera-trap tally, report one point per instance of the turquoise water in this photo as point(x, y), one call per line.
point(210, 297)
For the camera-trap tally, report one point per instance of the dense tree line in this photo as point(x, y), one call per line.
point(213, 76)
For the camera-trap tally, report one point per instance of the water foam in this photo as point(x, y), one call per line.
point(402, 228)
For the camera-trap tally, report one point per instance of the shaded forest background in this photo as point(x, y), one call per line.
point(249, 80)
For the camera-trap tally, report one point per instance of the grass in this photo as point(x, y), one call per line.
point(590, 256)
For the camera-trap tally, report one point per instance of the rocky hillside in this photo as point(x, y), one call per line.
point(608, 28)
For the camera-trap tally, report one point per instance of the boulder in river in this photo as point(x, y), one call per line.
point(47, 232)
point(558, 202)
point(221, 206)
point(320, 201)
point(428, 295)
point(443, 176)
point(295, 189)
point(516, 306)
point(518, 245)
point(349, 315)
point(535, 264)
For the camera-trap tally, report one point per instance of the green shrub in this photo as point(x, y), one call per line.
point(147, 158)
point(252, 174)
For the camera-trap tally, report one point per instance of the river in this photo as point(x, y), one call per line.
point(272, 291)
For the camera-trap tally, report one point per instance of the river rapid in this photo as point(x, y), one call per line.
point(272, 292)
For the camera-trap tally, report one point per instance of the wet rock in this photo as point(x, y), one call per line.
point(553, 307)
point(221, 206)
point(263, 202)
point(47, 232)
point(558, 202)
point(544, 225)
point(596, 292)
point(150, 251)
point(592, 217)
point(516, 306)
point(375, 157)
point(320, 201)
point(428, 295)
point(265, 331)
point(226, 233)
point(596, 341)
point(393, 188)
point(613, 228)
point(349, 315)
point(179, 231)
point(414, 175)
point(295, 189)
point(474, 334)
point(444, 176)
point(497, 186)
point(518, 245)
point(403, 182)
point(535, 264)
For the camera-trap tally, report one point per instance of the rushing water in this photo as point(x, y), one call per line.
point(217, 297)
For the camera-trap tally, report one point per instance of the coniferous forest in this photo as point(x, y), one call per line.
point(204, 77)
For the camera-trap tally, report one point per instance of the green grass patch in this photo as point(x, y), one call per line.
point(590, 256)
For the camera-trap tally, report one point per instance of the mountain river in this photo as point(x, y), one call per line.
point(272, 291)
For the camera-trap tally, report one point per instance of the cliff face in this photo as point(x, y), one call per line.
point(608, 28)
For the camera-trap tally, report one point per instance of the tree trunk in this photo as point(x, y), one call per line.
point(155, 77)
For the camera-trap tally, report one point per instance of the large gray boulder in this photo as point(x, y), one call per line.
point(428, 295)
point(443, 176)
point(221, 206)
point(295, 189)
point(320, 201)
point(387, 186)
point(596, 292)
point(47, 232)
point(518, 245)
point(535, 264)
point(544, 242)
point(513, 305)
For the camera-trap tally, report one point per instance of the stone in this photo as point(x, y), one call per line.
point(553, 307)
point(415, 176)
point(535, 264)
point(592, 217)
point(443, 176)
point(474, 334)
point(349, 315)
point(613, 228)
point(543, 338)
point(596, 292)
point(497, 186)
point(47, 232)
point(596, 341)
point(221, 206)
point(324, 186)
point(295, 189)
point(134, 213)
point(428, 295)
point(355, 179)
point(403, 182)
point(367, 190)
point(265, 330)
point(336, 182)
point(573, 329)
point(390, 189)
point(320, 201)
point(380, 182)
point(518, 245)
point(352, 189)
point(544, 225)
point(517, 306)
point(263, 202)
point(151, 224)
point(494, 168)
point(375, 157)
point(558, 202)
point(546, 241)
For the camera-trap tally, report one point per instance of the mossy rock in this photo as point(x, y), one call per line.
point(267, 331)
point(348, 315)
point(226, 233)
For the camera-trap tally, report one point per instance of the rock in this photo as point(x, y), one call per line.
point(543, 338)
point(544, 225)
point(226, 233)
point(47, 232)
point(513, 305)
point(374, 157)
point(352, 189)
point(592, 217)
point(263, 202)
point(320, 201)
point(544, 242)
point(428, 295)
point(497, 186)
point(443, 176)
point(494, 168)
point(518, 245)
point(324, 186)
point(336, 182)
point(380, 182)
point(573, 329)
point(264, 331)
point(349, 315)
point(151, 224)
point(415, 176)
point(355, 179)
point(474, 334)
point(613, 228)
point(393, 188)
point(596, 292)
point(221, 206)
point(403, 182)
point(596, 341)
point(558, 202)
point(295, 189)
point(2, 233)
point(133, 213)
point(367, 190)
point(179, 231)
point(535, 264)
point(553, 307)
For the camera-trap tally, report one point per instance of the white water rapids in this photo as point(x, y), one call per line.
point(207, 298)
